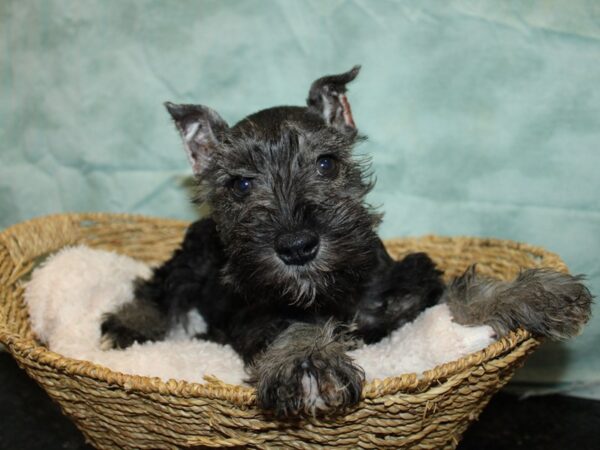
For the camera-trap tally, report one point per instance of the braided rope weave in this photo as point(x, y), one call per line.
point(118, 411)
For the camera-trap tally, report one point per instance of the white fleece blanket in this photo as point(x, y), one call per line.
point(70, 292)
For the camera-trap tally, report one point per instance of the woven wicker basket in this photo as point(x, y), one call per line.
point(120, 411)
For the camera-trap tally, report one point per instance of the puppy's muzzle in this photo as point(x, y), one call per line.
point(297, 248)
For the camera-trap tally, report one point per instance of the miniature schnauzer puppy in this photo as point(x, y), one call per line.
point(288, 269)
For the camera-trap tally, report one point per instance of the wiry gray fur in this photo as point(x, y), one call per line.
point(544, 302)
point(306, 370)
point(136, 321)
point(291, 247)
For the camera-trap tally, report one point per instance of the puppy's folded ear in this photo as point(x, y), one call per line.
point(327, 97)
point(201, 129)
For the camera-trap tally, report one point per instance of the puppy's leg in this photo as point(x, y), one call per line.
point(306, 371)
point(544, 302)
point(398, 292)
point(189, 280)
point(138, 321)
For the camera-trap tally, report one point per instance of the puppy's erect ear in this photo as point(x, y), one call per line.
point(327, 97)
point(201, 129)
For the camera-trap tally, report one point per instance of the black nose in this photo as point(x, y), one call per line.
point(297, 248)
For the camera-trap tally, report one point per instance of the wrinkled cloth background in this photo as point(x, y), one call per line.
point(483, 117)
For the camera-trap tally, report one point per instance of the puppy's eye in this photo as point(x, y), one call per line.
point(242, 186)
point(327, 166)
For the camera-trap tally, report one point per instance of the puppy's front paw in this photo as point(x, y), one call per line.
point(544, 302)
point(312, 386)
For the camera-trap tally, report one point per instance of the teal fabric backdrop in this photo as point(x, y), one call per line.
point(483, 117)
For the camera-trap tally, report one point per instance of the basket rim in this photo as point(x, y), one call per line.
point(30, 350)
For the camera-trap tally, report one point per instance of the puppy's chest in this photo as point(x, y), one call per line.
point(343, 311)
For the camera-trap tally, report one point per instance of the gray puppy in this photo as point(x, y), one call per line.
point(288, 269)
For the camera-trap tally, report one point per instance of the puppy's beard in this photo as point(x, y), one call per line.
point(300, 284)
point(256, 271)
point(273, 280)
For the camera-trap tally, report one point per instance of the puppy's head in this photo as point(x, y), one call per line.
point(286, 193)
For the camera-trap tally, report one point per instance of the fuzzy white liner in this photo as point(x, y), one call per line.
point(70, 292)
